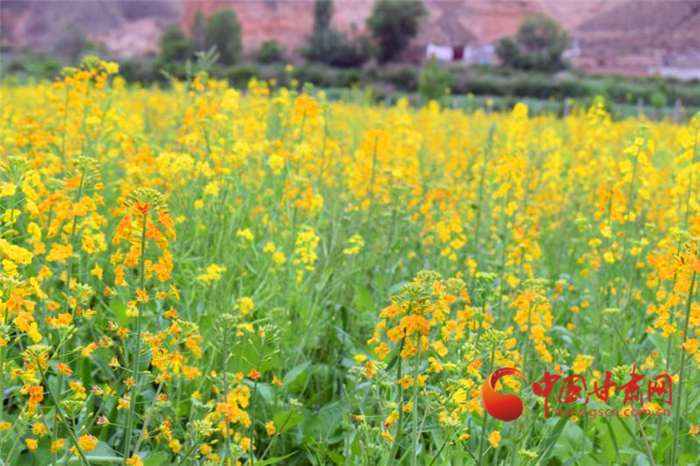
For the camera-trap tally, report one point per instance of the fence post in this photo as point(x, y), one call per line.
point(677, 111)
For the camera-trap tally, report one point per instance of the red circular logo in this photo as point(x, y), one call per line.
point(505, 407)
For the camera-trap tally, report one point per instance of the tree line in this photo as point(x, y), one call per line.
point(538, 44)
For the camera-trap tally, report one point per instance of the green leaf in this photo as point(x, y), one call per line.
point(119, 310)
point(336, 457)
point(551, 440)
point(250, 357)
point(326, 421)
point(572, 441)
point(102, 454)
point(286, 421)
point(363, 300)
point(277, 459)
point(155, 459)
point(295, 379)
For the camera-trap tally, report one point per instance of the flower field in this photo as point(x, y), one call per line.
point(206, 275)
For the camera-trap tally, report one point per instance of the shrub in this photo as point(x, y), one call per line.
point(658, 99)
point(333, 48)
point(317, 74)
point(140, 71)
point(330, 46)
point(433, 81)
point(270, 52)
point(174, 46)
point(224, 32)
point(38, 66)
point(538, 45)
point(404, 77)
point(239, 75)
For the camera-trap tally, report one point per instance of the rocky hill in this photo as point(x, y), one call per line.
point(606, 35)
point(126, 28)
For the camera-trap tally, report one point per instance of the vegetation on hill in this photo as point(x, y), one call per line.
point(532, 63)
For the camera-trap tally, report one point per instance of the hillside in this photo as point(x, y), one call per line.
point(606, 36)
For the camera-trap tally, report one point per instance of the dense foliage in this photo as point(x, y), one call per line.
point(393, 24)
point(539, 45)
point(224, 32)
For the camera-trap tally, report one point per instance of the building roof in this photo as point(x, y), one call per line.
point(445, 30)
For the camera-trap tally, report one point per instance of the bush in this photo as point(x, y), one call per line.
point(140, 71)
point(658, 99)
point(270, 52)
point(433, 81)
point(240, 75)
point(330, 46)
point(316, 74)
point(333, 48)
point(174, 46)
point(538, 45)
point(38, 66)
point(404, 77)
point(348, 78)
point(224, 32)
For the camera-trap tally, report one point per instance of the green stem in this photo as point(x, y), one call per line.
point(2, 389)
point(279, 431)
point(252, 405)
point(137, 355)
point(189, 452)
point(482, 179)
point(399, 431)
point(61, 417)
point(669, 347)
point(437, 455)
point(483, 424)
point(650, 454)
point(69, 278)
point(148, 418)
point(414, 412)
point(677, 424)
point(225, 375)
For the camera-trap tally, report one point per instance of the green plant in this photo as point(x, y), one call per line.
point(330, 46)
point(174, 46)
point(270, 51)
point(38, 66)
point(433, 81)
point(539, 44)
point(393, 24)
point(224, 32)
point(658, 99)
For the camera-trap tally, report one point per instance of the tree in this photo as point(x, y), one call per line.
point(330, 46)
point(224, 32)
point(393, 24)
point(198, 31)
point(323, 13)
point(174, 46)
point(539, 44)
point(540, 34)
